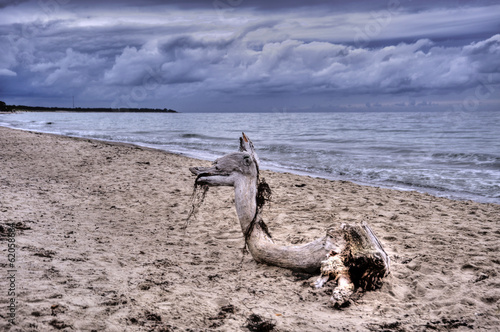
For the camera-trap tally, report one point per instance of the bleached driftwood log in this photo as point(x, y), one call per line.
point(351, 254)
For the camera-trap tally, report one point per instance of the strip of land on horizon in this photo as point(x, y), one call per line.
point(23, 108)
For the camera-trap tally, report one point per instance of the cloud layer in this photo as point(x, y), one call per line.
point(229, 56)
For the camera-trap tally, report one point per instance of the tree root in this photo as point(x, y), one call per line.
point(333, 268)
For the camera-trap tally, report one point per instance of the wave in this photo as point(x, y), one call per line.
point(368, 150)
point(468, 158)
point(201, 136)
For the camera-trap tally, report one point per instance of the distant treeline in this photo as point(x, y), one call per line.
point(23, 108)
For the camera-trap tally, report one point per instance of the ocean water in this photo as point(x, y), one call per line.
point(455, 154)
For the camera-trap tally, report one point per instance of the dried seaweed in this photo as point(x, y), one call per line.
point(197, 199)
point(256, 323)
point(264, 193)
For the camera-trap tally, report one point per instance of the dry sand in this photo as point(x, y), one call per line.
point(100, 247)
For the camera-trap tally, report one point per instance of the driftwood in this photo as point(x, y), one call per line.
point(350, 254)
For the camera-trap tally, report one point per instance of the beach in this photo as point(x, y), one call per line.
point(101, 246)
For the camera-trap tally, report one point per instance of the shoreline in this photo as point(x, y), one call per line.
point(100, 246)
point(455, 196)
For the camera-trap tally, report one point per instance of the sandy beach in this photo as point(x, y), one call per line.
point(100, 246)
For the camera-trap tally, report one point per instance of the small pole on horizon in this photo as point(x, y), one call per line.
point(73, 101)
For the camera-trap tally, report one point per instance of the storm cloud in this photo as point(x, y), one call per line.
point(251, 55)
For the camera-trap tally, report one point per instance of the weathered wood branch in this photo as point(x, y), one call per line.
point(304, 258)
point(361, 262)
point(352, 255)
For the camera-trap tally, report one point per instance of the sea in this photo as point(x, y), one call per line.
point(448, 154)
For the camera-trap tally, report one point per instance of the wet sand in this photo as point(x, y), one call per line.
point(100, 246)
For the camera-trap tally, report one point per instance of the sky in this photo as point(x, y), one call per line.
point(252, 55)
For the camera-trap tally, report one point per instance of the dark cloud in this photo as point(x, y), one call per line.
point(250, 53)
point(338, 5)
point(8, 3)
